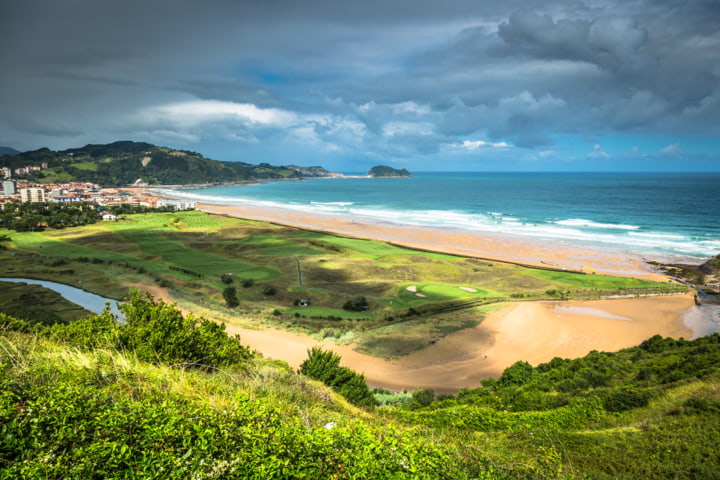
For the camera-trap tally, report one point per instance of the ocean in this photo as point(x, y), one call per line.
point(673, 216)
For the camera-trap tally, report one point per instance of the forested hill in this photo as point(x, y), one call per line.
point(8, 151)
point(125, 162)
point(385, 171)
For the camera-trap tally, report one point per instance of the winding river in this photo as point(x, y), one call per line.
point(89, 301)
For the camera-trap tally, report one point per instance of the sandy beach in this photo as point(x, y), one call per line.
point(481, 245)
point(534, 332)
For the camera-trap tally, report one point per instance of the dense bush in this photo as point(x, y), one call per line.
point(423, 396)
point(324, 365)
point(109, 416)
point(230, 296)
point(357, 304)
point(156, 332)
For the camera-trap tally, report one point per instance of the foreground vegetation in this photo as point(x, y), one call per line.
point(330, 286)
point(151, 398)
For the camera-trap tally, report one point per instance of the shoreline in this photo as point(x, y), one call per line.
point(484, 246)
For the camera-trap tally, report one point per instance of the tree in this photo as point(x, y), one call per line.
point(423, 396)
point(357, 304)
point(519, 373)
point(230, 296)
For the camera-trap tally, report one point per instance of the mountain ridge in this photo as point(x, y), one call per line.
point(4, 150)
point(126, 162)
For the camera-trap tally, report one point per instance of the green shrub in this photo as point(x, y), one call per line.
point(230, 296)
point(424, 396)
point(357, 304)
point(324, 365)
point(94, 331)
point(157, 332)
point(620, 400)
point(518, 373)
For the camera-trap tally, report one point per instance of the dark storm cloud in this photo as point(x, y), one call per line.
point(405, 79)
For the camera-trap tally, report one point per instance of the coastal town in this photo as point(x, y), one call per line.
point(72, 192)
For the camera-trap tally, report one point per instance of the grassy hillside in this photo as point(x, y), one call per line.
point(419, 296)
point(78, 403)
point(124, 162)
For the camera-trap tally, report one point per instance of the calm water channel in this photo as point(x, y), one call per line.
point(87, 300)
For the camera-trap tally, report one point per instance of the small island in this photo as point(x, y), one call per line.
point(383, 171)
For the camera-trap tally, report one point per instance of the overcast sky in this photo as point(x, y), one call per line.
point(426, 85)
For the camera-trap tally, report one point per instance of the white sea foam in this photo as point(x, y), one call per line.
point(658, 235)
point(584, 231)
point(338, 204)
point(580, 222)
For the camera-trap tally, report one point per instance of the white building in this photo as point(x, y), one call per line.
point(177, 204)
point(9, 188)
point(32, 195)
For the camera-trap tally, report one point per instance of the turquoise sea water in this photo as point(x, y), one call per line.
point(667, 214)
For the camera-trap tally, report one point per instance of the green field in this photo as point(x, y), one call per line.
point(272, 267)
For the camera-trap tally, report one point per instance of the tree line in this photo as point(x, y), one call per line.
point(36, 217)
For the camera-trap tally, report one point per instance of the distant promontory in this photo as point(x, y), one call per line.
point(383, 171)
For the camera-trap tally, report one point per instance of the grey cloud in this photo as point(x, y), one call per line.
point(521, 71)
point(609, 42)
